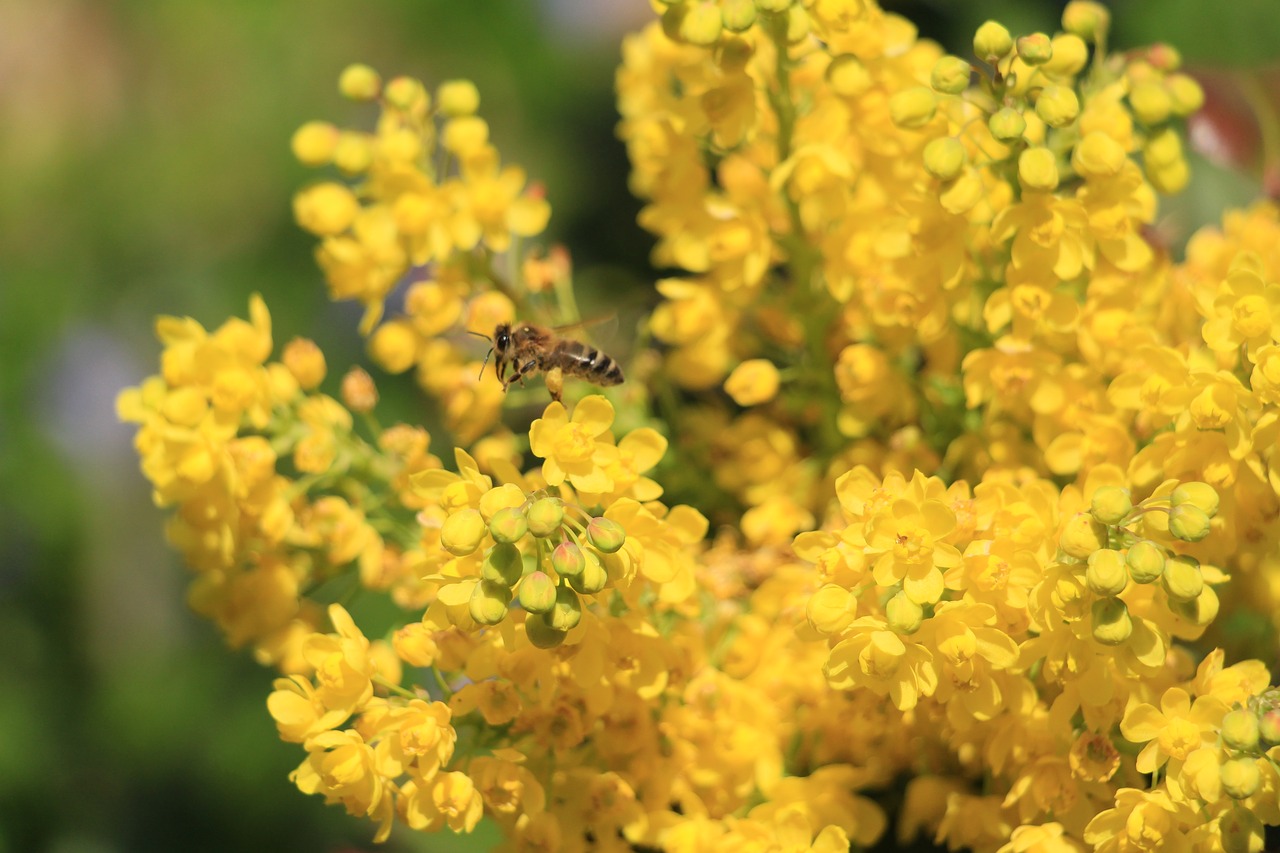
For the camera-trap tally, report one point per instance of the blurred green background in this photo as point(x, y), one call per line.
point(145, 169)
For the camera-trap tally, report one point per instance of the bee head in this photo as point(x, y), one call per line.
point(502, 337)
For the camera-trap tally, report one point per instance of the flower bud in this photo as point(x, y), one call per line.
point(605, 534)
point(567, 559)
point(753, 382)
point(353, 152)
point(458, 98)
point(325, 209)
point(1081, 536)
point(1182, 579)
point(1240, 729)
point(1098, 155)
point(1240, 777)
point(313, 143)
point(1150, 103)
point(738, 15)
point(394, 346)
point(1199, 611)
point(305, 361)
point(847, 76)
point(1007, 124)
point(1035, 49)
point(1058, 106)
point(537, 592)
point(358, 391)
point(831, 609)
point(1070, 54)
point(1145, 561)
point(593, 576)
point(359, 82)
point(461, 533)
point(503, 564)
point(903, 614)
point(406, 93)
point(798, 24)
point(1185, 94)
point(701, 24)
point(913, 108)
point(1269, 727)
point(1111, 622)
point(508, 525)
point(992, 41)
point(950, 75)
point(540, 634)
point(1197, 494)
point(545, 515)
point(489, 602)
point(1086, 19)
point(1110, 504)
point(1188, 523)
point(1106, 574)
point(945, 157)
point(1038, 169)
point(566, 613)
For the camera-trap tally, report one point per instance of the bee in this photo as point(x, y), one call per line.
point(524, 350)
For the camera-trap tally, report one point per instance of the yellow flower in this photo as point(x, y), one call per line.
point(1174, 730)
point(446, 799)
point(752, 382)
point(1142, 820)
point(576, 450)
point(1245, 310)
point(883, 663)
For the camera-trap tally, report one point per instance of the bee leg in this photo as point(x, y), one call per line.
point(555, 382)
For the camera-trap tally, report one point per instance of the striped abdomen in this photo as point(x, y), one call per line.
point(578, 359)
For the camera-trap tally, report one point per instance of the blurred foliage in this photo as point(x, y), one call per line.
point(145, 170)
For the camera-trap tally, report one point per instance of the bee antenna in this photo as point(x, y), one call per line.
point(480, 335)
point(485, 363)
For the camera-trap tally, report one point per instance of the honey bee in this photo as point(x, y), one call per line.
point(524, 350)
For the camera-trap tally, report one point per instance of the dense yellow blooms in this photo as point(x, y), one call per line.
point(983, 468)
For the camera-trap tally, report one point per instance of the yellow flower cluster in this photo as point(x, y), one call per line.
point(983, 462)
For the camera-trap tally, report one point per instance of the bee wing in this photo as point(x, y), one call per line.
point(609, 320)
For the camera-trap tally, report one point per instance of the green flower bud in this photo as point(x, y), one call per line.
point(1007, 124)
point(545, 515)
point(1240, 777)
point(847, 76)
point(537, 592)
point(1035, 49)
point(1106, 574)
point(508, 525)
point(1145, 561)
point(903, 614)
point(1150, 103)
point(1086, 19)
point(540, 634)
point(1081, 536)
point(606, 534)
point(1058, 106)
point(566, 613)
point(359, 83)
point(773, 5)
point(1111, 622)
point(1038, 169)
point(1182, 579)
point(489, 602)
point(913, 108)
point(567, 559)
point(950, 75)
point(504, 564)
point(461, 533)
point(944, 157)
point(702, 24)
point(738, 15)
point(1188, 523)
point(1240, 729)
point(593, 576)
point(458, 98)
point(1200, 495)
point(992, 41)
point(1269, 727)
point(1110, 504)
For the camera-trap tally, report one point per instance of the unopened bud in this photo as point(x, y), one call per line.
point(1182, 579)
point(489, 602)
point(831, 609)
point(1199, 611)
point(606, 534)
point(1188, 523)
point(1106, 574)
point(950, 75)
point(1057, 106)
point(1038, 169)
point(913, 108)
point(508, 525)
point(358, 391)
point(701, 24)
point(1086, 19)
point(458, 98)
point(405, 93)
point(1081, 536)
point(903, 614)
point(545, 515)
point(540, 634)
point(314, 143)
point(1070, 54)
point(1240, 777)
point(567, 559)
point(1145, 561)
point(738, 15)
point(847, 76)
point(1111, 622)
point(305, 361)
point(359, 82)
point(503, 564)
point(1098, 155)
point(1197, 494)
point(1110, 504)
point(992, 41)
point(537, 592)
point(461, 533)
point(1269, 727)
point(1240, 729)
point(1035, 49)
point(566, 613)
point(593, 576)
point(1150, 103)
point(1185, 93)
point(945, 157)
point(1007, 124)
